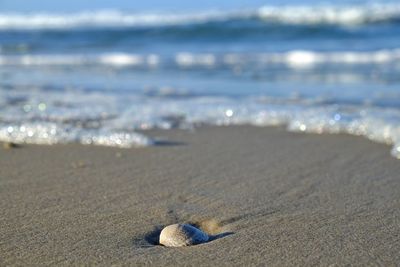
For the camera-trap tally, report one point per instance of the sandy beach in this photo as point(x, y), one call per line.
point(283, 199)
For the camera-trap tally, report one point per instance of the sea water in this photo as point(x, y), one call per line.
point(96, 77)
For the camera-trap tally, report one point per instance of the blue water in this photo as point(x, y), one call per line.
point(96, 77)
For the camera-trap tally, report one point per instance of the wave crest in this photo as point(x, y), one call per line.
point(293, 59)
point(346, 15)
point(304, 15)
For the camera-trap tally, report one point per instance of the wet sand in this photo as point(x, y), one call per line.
point(277, 198)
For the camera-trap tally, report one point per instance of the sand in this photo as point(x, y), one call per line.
point(276, 198)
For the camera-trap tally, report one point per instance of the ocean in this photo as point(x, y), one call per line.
point(98, 77)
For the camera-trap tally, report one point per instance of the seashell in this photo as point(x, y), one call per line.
point(180, 235)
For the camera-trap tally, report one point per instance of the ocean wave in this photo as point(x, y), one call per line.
point(293, 59)
point(110, 59)
point(303, 15)
point(329, 14)
point(108, 18)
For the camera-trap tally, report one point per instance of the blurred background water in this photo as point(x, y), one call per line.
point(96, 75)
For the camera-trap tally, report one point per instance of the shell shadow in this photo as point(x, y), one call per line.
point(168, 143)
point(153, 237)
point(218, 236)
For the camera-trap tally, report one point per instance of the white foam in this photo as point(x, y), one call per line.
point(43, 60)
point(331, 14)
point(121, 59)
point(34, 133)
point(116, 139)
point(186, 59)
point(45, 133)
point(293, 58)
point(306, 58)
point(109, 59)
point(52, 117)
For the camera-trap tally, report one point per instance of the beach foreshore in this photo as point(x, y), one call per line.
point(279, 198)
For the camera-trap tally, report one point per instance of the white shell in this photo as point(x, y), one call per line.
point(180, 235)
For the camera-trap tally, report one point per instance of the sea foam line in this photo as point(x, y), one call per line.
point(53, 118)
point(50, 133)
point(294, 58)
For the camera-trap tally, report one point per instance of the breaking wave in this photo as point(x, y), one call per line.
point(294, 59)
point(299, 15)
